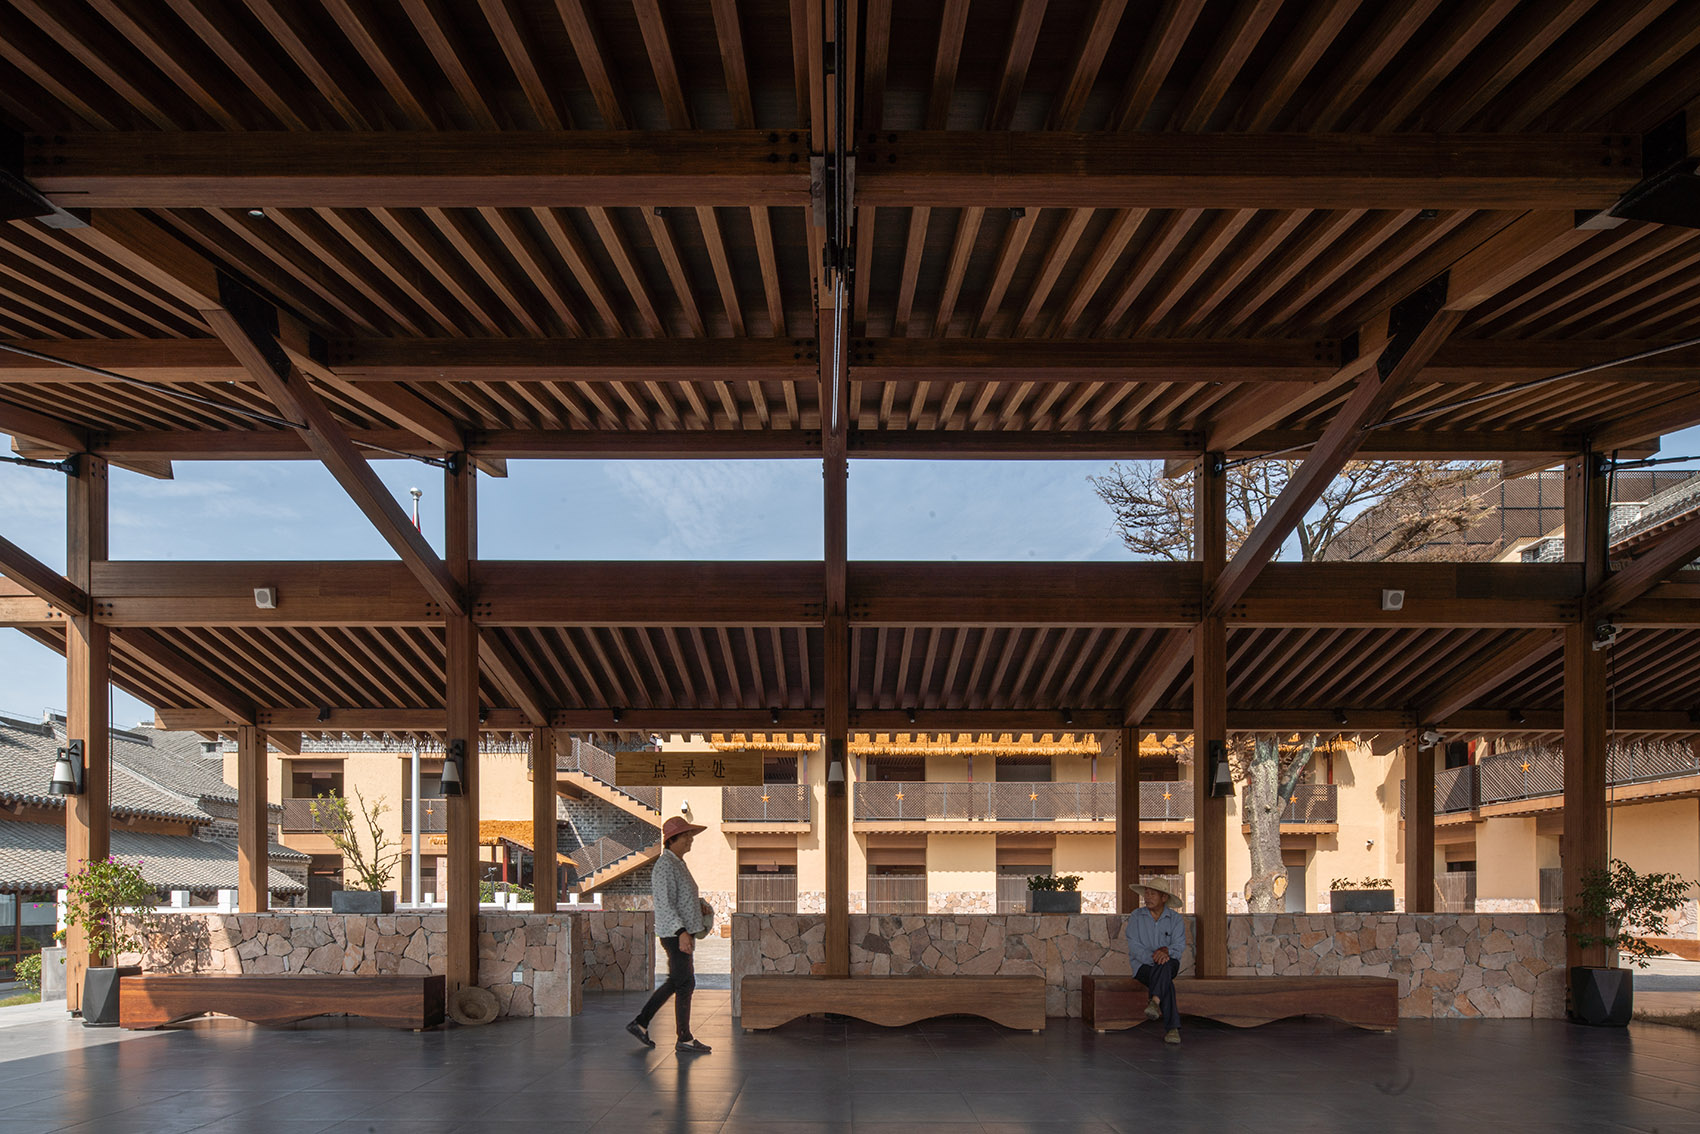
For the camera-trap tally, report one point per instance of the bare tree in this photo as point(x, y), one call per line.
point(1405, 506)
point(1402, 509)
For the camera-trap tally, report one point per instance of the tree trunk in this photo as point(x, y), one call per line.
point(1263, 802)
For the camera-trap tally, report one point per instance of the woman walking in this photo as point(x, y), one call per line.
point(681, 917)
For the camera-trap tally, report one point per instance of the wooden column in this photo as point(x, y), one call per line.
point(544, 877)
point(1583, 846)
point(88, 663)
point(461, 641)
point(253, 861)
point(1210, 725)
point(836, 820)
point(1419, 826)
point(1127, 817)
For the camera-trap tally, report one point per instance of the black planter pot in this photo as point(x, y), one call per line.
point(1360, 901)
point(100, 994)
point(363, 901)
point(1053, 901)
point(1602, 997)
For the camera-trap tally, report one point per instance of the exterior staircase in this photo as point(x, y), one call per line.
point(583, 769)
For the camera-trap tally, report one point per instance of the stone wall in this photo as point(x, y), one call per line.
point(558, 956)
point(1447, 965)
point(962, 901)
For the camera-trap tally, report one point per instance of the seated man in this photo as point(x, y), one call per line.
point(1156, 942)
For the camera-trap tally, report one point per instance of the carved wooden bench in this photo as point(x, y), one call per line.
point(154, 1000)
point(769, 1000)
point(1113, 1002)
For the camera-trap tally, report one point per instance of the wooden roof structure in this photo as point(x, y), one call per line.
point(344, 231)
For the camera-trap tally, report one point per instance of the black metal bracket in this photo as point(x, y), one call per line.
point(1669, 189)
point(257, 316)
point(68, 466)
point(1408, 317)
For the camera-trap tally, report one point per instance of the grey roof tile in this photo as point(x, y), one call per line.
point(27, 752)
point(32, 857)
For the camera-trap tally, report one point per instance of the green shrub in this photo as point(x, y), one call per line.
point(28, 971)
point(487, 893)
point(1067, 882)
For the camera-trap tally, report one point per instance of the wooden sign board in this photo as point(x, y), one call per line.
point(687, 769)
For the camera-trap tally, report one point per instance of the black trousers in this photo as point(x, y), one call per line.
point(681, 981)
point(1160, 979)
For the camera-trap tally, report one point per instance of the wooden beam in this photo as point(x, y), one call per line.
point(1419, 826)
point(1490, 673)
point(1242, 171)
point(1680, 413)
point(1669, 555)
point(333, 722)
point(253, 832)
point(1249, 413)
point(289, 391)
point(1540, 448)
point(1209, 727)
point(148, 594)
point(741, 168)
point(214, 692)
point(1127, 818)
point(88, 674)
point(41, 580)
point(459, 169)
point(545, 825)
point(1360, 721)
point(1164, 663)
point(541, 593)
point(514, 678)
point(28, 427)
point(376, 361)
point(1584, 846)
point(1417, 329)
point(461, 696)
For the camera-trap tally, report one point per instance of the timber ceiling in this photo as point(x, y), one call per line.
point(546, 228)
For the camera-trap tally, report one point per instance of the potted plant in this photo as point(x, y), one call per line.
point(1366, 895)
point(1619, 908)
point(1053, 893)
point(368, 861)
point(112, 902)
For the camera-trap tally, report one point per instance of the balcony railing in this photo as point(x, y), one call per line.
point(433, 815)
point(1530, 773)
point(769, 803)
point(1159, 800)
point(298, 816)
point(589, 760)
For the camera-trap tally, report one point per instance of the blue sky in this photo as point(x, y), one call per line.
point(968, 510)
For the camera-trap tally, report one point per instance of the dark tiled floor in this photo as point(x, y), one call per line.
point(941, 1078)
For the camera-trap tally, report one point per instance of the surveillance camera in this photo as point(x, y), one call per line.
point(684, 807)
point(1605, 635)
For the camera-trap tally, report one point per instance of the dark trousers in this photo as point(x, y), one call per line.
point(681, 980)
point(1160, 979)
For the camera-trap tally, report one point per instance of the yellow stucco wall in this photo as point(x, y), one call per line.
point(1507, 864)
point(1663, 836)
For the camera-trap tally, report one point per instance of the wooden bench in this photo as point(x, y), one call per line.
point(154, 1000)
point(1111, 1002)
point(769, 1000)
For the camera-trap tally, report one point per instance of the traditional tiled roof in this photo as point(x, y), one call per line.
point(173, 761)
point(27, 752)
point(1632, 524)
point(32, 858)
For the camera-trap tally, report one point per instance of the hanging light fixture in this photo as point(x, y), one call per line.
point(68, 770)
point(452, 762)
